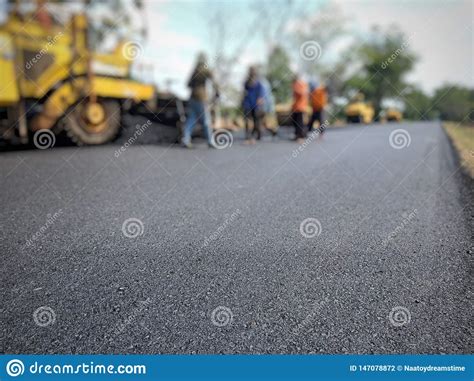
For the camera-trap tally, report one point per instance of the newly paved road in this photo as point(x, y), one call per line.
point(221, 228)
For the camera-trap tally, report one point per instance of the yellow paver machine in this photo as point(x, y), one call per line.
point(50, 79)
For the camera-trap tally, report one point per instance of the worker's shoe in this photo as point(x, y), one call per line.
point(249, 142)
point(186, 145)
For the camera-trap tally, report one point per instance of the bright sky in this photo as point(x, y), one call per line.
point(441, 34)
point(440, 31)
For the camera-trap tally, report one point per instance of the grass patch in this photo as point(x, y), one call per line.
point(462, 137)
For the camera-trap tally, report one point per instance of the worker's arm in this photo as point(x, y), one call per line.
point(260, 94)
point(215, 86)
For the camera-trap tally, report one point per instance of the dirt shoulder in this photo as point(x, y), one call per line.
point(462, 137)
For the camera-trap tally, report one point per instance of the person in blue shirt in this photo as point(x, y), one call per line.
point(269, 121)
point(253, 106)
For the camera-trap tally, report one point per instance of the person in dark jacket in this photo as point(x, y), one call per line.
point(252, 105)
point(199, 108)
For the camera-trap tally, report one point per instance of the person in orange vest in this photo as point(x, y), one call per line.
point(300, 105)
point(319, 100)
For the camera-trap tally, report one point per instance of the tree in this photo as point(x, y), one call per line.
point(314, 36)
point(279, 74)
point(384, 61)
point(230, 37)
point(418, 105)
point(116, 18)
point(454, 103)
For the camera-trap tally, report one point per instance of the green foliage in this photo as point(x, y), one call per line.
point(454, 103)
point(279, 74)
point(418, 105)
point(384, 60)
point(114, 17)
point(326, 27)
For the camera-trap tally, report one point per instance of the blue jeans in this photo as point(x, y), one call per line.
point(198, 112)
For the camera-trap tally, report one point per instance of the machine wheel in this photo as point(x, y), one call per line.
point(93, 122)
point(354, 119)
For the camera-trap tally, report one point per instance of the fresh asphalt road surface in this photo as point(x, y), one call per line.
point(222, 264)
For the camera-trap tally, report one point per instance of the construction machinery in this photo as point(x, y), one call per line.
point(393, 115)
point(358, 111)
point(51, 80)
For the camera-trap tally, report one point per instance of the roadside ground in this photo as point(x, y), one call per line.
point(462, 137)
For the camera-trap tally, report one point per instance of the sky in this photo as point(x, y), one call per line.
point(440, 32)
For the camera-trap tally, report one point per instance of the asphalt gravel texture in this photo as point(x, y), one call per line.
point(219, 261)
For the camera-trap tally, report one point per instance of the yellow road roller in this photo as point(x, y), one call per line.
point(393, 115)
point(358, 111)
